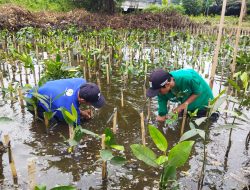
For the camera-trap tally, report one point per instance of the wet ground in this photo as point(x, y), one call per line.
point(83, 170)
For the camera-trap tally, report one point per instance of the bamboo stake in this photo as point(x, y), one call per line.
point(98, 80)
point(215, 57)
point(142, 129)
point(104, 163)
point(184, 119)
point(243, 3)
point(31, 173)
point(1, 80)
point(21, 97)
point(107, 71)
point(11, 161)
point(122, 98)
point(115, 121)
point(149, 109)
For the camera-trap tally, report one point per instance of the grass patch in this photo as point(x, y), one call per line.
point(42, 5)
point(230, 21)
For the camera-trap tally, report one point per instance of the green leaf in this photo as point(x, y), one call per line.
point(189, 134)
point(169, 173)
point(234, 84)
point(74, 112)
point(117, 147)
point(110, 138)
point(227, 126)
point(218, 103)
point(158, 138)
point(5, 120)
point(144, 154)
point(244, 79)
point(162, 159)
point(64, 188)
point(118, 161)
point(200, 120)
point(179, 154)
point(40, 187)
point(106, 154)
point(217, 97)
point(90, 133)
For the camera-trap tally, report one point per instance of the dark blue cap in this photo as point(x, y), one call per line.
point(91, 93)
point(157, 79)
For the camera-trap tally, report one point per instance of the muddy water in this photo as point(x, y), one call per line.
point(83, 170)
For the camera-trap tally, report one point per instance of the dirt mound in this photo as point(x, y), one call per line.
point(14, 18)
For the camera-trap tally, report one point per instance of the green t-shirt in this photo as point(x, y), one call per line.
point(187, 82)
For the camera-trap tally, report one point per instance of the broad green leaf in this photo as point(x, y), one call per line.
point(158, 138)
point(110, 138)
point(74, 112)
point(191, 125)
point(118, 160)
point(64, 188)
point(70, 116)
point(244, 79)
point(169, 173)
point(162, 159)
point(90, 133)
point(218, 103)
point(189, 134)
point(179, 154)
point(217, 97)
point(234, 84)
point(227, 126)
point(200, 120)
point(144, 154)
point(117, 147)
point(78, 134)
point(106, 154)
point(40, 187)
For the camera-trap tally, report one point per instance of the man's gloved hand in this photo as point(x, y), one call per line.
point(86, 114)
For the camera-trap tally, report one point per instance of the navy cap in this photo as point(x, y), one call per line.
point(91, 93)
point(157, 79)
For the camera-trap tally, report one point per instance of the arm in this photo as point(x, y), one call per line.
point(187, 102)
point(162, 109)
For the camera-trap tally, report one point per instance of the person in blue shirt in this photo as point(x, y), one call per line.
point(64, 93)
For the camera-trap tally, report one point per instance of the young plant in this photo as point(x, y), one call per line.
point(43, 187)
point(176, 157)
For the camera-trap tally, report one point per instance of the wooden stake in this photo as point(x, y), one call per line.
point(21, 97)
point(11, 160)
point(115, 121)
point(122, 99)
point(184, 119)
point(243, 3)
point(107, 70)
point(142, 129)
point(1, 79)
point(149, 109)
point(217, 48)
point(104, 163)
point(31, 173)
point(98, 80)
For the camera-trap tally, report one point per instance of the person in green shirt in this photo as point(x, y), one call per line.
point(185, 86)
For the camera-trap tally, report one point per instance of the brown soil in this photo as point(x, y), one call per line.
point(14, 18)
